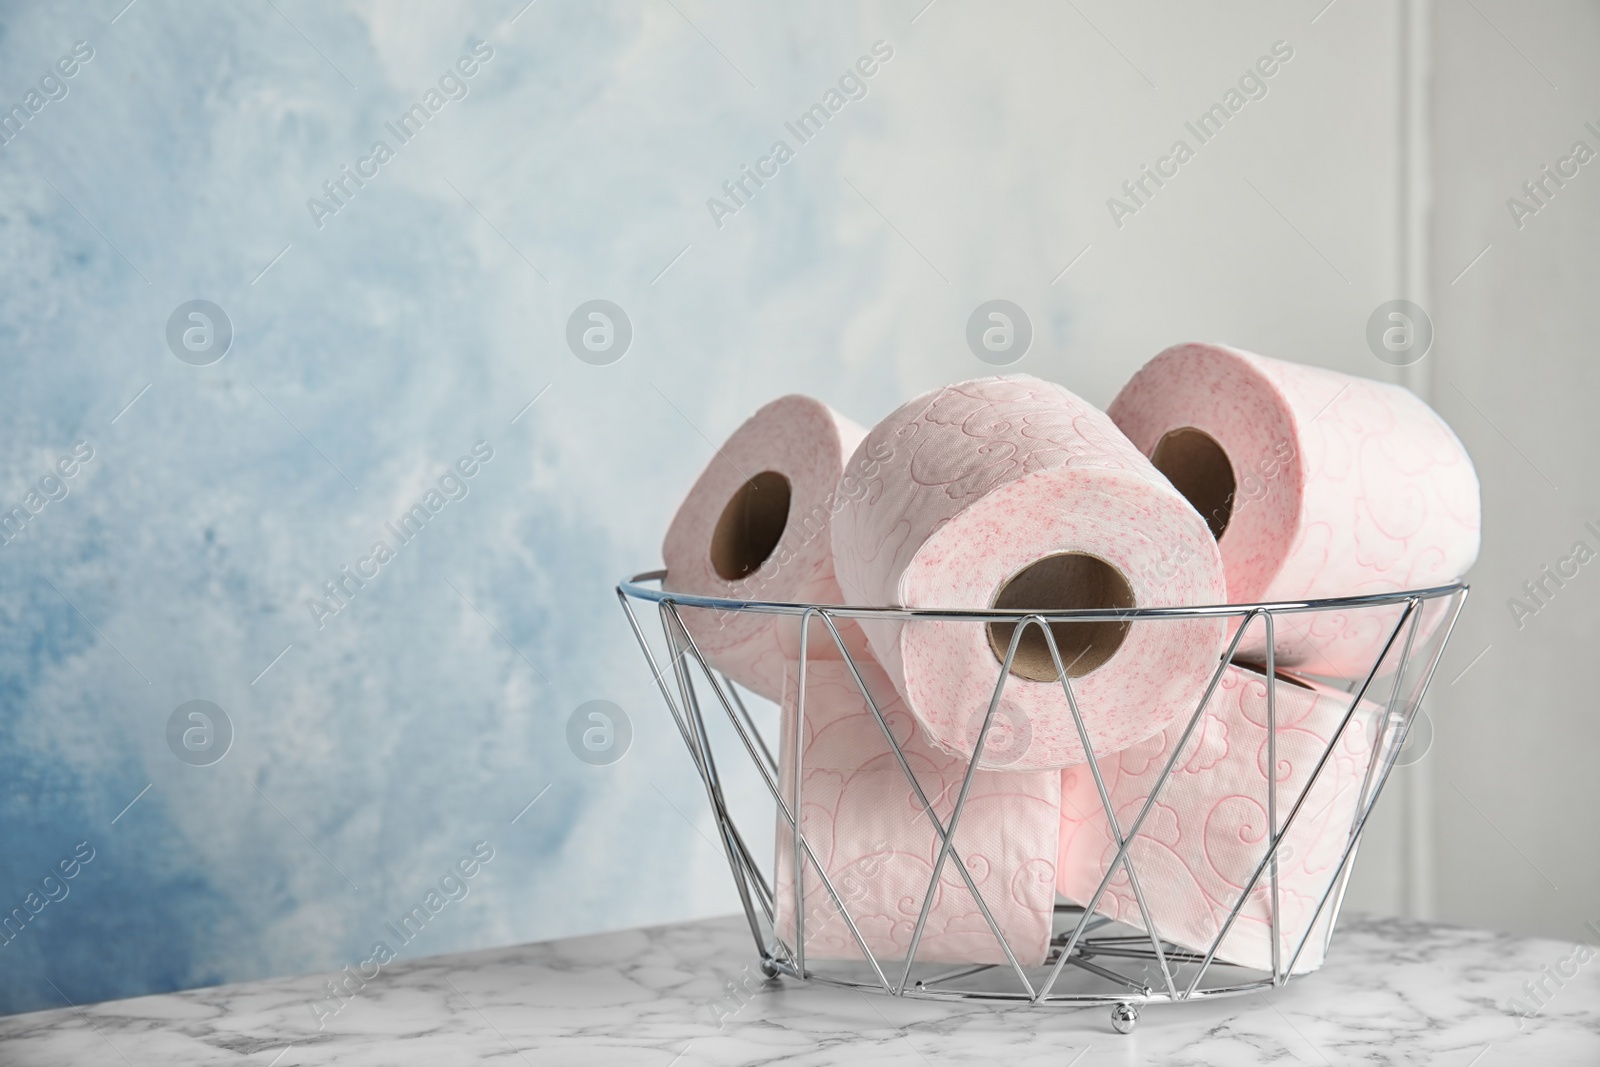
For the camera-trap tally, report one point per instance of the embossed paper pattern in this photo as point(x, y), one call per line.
point(979, 481)
point(873, 837)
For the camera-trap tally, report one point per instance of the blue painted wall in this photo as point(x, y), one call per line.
point(391, 338)
point(375, 345)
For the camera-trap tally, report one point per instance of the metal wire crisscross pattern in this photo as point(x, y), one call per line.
point(1394, 684)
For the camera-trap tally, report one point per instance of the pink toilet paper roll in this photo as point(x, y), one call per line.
point(1316, 484)
point(1201, 843)
point(1014, 493)
point(872, 836)
point(755, 527)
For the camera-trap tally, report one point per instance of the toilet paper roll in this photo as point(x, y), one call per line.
point(1014, 493)
point(755, 526)
point(872, 836)
point(1208, 831)
point(1315, 484)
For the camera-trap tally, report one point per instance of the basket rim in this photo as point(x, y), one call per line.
point(646, 586)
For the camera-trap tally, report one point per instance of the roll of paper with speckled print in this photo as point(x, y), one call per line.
point(755, 527)
point(1200, 845)
point(1316, 484)
point(1014, 493)
point(872, 835)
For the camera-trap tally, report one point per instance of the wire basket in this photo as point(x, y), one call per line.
point(1091, 959)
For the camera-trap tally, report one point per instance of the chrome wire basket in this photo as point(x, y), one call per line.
point(1091, 958)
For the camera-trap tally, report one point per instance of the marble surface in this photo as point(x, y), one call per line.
point(1391, 992)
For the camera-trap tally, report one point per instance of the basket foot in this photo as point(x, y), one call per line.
point(769, 969)
point(1124, 1017)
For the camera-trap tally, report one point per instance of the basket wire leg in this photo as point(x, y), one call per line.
point(1316, 772)
point(1272, 794)
point(699, 743)
point(790, 818)
point(718, 800)
point(661, 683)
point(679, 635)
point(694, 753)
point(1144, 811)
point(1413, 611)
point(1453, 605)
point(1388, 768)
point(1456, 602)
point(683, 637)
point(732, 843)
point(945, 834)
point(1105, 801)
point(720, 806)
point(797, 736)
point(684, 731)
point(710, 774)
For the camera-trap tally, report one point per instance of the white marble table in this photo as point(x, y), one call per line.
point(1390, 992)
